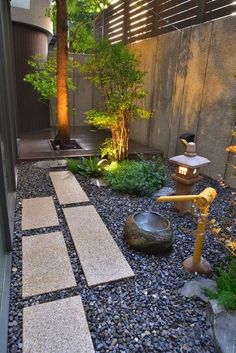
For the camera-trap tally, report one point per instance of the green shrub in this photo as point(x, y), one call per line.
point(136, 177)
point(91, 166)
point(226, 286)
point(72, 165)
point(115, 70)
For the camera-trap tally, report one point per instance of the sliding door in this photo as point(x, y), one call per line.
point(8, 155)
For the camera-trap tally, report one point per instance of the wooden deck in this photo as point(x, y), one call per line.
point(36, 146)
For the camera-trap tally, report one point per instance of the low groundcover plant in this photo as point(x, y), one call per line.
point(92, 166)
point(136, 177)
point(129, 176)
point(226, 286)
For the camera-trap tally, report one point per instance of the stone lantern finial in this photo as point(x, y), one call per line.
point(190, 150)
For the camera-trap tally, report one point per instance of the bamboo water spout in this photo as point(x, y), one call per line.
point(196, 263)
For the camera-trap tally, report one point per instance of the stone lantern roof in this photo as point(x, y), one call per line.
point(190, 158)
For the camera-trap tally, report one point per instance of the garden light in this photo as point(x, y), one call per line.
point(196, 263)
point(187, 174)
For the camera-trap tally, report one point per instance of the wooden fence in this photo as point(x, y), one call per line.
point(134, 20)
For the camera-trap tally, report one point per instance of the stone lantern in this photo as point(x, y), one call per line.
point(187, 174)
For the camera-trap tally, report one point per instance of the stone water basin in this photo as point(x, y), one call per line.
point(149, 232)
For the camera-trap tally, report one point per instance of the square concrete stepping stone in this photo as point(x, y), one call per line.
point(67, 188)
point(56, 327)
point(46, 264)
point(100, 257)
point(38, 212)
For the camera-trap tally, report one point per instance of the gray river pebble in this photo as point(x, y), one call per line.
point(144, 314)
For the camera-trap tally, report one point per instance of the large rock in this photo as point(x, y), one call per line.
point(215, 307)
point(223, 322)
point(98, 182)
point(165, 191)
point(149, 232)
point(50, 164)
point(194, 288)
point(224, 328)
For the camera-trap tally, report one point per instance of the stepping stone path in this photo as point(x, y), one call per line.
point(38, 212)
point(100, 257)
point(46, 265)
point(60, 326)
point(67, 188)
point(56, 327)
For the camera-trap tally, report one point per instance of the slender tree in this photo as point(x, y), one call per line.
point(79, 15)
point(62, 63)
point(114, 69)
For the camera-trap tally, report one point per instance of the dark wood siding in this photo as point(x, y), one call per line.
point(29, 41)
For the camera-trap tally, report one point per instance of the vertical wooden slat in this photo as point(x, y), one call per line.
point(154, 18)
point(126, 20)
point(201, 11)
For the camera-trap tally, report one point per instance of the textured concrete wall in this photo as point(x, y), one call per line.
point(191, 88)
point(34, 16)
point(83, 98)
point(218, 114)
point(167, 46)
point(147, 51)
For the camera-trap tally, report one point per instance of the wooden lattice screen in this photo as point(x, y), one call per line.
point(133, 20)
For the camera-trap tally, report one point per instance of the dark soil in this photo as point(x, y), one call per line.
point(73, 145)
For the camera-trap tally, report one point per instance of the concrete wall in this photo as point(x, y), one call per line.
point(32, 12)
point(191, 88)
point(83, 98)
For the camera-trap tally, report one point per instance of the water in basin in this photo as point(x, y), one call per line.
point(151, 222)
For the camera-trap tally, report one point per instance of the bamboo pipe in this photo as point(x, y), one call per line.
point(205, 198)
point(177, 198)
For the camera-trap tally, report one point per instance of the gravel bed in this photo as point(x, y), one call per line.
point(144, 314)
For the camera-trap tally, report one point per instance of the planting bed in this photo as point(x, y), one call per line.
point(72, 145)
point(144, 314)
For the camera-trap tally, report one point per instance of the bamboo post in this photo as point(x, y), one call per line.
point(196, 263)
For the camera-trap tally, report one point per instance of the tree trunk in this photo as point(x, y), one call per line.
point(62, 61)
